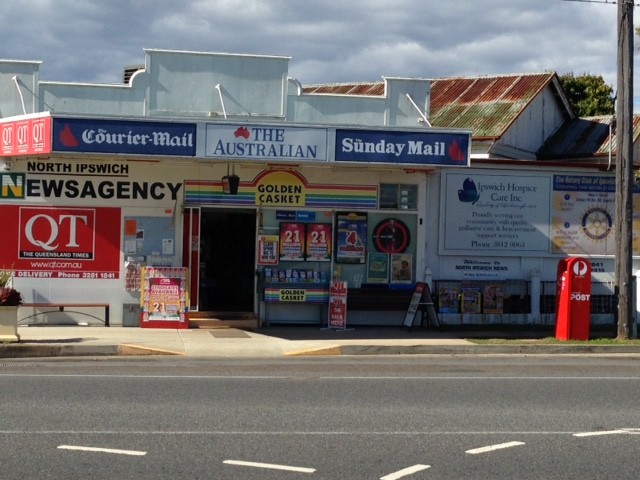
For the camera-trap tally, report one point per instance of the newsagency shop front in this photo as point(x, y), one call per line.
point(152, 223)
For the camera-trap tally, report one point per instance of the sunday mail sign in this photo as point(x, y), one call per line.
point(399, 148)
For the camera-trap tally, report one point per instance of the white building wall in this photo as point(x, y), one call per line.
point(12, 96)
point(91, 100)
point(541, 119)
point(395, 108)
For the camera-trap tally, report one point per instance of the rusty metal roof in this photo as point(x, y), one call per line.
point(370, 89)
point(486, 105)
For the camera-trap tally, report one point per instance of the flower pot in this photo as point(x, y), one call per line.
point(9, 324)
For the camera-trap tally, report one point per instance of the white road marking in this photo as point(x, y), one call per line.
point(620, 431)
point(405, 471)
point(102, 450)
point(600, 432)
point(270, 465)
point(490, 448)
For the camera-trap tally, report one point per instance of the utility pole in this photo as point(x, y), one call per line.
point(624, 170)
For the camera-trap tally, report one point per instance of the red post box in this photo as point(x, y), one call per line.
point(573, 299)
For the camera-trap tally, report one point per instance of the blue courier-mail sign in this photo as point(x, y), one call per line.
point(412, 148)
point(121, 136)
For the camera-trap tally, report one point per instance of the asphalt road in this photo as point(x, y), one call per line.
point(417, 417)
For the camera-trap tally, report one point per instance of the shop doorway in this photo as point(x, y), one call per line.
point(227, 260)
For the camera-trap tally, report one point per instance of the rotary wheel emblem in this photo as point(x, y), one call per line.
point(596, 223)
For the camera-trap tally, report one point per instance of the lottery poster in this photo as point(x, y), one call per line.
point(292, 238)
point(351, 237)
point(318, 242)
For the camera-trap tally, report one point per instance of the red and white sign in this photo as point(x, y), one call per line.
point(62, 242)
point(164, 297)
point(29, 135)
point(338, 304)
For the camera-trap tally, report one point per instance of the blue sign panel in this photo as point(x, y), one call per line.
point(129, 137)
point(413, 148)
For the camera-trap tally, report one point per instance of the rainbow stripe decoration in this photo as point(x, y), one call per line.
point(296, 295)
point(283, 188)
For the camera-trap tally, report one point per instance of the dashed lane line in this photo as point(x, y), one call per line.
point(102, 450)
point(272, 466)
point(405, 472)
point(490, 448)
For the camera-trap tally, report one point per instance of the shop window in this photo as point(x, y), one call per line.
point(398, 196)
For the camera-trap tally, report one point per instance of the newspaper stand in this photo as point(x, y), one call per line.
point(573, 299)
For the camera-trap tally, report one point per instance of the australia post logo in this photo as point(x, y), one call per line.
point(66, 233)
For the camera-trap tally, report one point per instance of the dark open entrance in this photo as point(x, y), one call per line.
point(227, 260)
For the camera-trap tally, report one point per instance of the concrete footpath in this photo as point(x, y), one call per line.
point(279, 341)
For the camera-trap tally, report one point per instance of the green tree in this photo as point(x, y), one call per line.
point(588, 94)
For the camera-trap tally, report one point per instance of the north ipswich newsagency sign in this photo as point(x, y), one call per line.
point(124, 137)
point(266, 142)
point(398, 148)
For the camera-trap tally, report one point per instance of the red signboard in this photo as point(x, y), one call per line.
point(61, 242)
point(164, 297)
point(338, 305)
point(29, 135)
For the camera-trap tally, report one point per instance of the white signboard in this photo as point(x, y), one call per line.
point(266, 142)
point(495, 214)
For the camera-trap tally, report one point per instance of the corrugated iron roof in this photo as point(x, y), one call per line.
point(486, 105)
point(370, 89)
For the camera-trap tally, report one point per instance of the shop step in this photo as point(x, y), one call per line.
point(223, 320)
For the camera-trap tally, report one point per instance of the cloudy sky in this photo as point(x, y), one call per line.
point(328, 40)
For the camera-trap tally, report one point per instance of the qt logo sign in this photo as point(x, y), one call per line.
point(57, 233)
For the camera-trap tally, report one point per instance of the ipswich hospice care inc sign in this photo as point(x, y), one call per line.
point(61, 242)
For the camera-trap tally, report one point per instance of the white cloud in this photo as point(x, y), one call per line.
point(328, 40)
